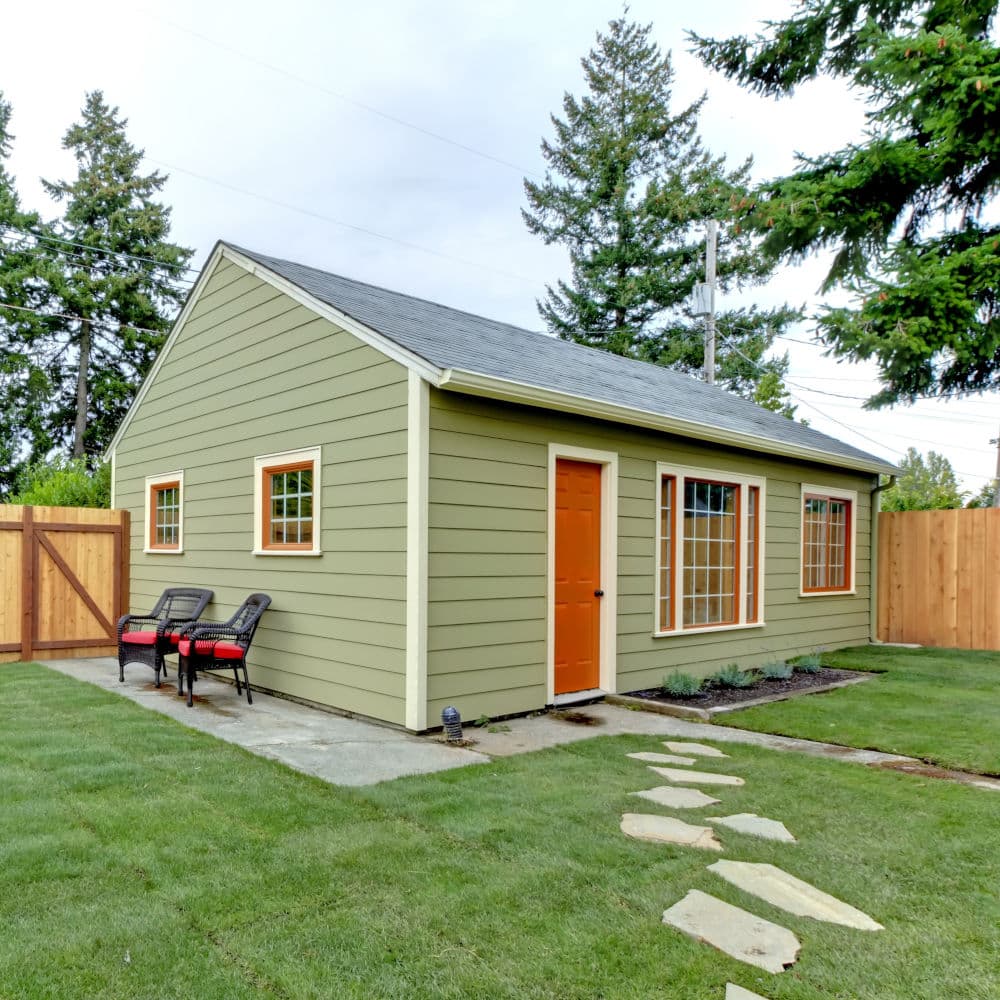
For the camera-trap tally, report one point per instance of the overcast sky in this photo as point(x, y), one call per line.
point(388, 142)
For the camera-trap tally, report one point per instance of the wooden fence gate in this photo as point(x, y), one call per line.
point(939, 578)
point(64, 572)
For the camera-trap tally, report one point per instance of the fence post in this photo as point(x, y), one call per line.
point(27, 581)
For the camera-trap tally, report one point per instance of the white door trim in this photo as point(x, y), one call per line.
point(608, 460)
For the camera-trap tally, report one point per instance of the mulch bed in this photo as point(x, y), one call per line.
point(712, 696)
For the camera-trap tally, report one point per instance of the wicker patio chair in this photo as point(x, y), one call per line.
point(220, 646)
point(148, 638)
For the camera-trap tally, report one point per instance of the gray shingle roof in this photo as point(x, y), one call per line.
point(450, 338)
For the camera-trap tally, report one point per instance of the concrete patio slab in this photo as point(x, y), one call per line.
point(780, 889)
point(667, 830)
point(756, 826)
point(676, 798)
point(336, 749)
point(739, 934)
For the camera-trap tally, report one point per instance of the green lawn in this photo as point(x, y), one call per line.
point(942, 705)
point(219, 874)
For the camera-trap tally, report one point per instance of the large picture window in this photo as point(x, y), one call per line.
point(287, 503)
point(827, 541)
point(709, 565)
point(164, 510)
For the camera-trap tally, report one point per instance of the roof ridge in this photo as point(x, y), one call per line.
point(644, 365)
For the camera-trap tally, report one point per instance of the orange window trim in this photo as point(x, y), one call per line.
point(668, 484)
point(266, 474)
point(752, 613)
point(154, 490)
point(848, 554)
point(738, 591)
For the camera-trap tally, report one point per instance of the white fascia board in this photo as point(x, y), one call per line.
point(518, 392)
point(192, 299)
point(412, 362)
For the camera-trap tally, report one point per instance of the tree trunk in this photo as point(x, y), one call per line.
point(82, 391)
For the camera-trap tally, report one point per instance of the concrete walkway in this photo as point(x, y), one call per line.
point(339, 750)
point(544, 731)
point(346, 751)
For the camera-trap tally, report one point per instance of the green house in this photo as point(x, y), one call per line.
point(451, 510)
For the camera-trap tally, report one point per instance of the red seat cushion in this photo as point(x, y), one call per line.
point(221, 649)
point(174, 637)
point(139, 638)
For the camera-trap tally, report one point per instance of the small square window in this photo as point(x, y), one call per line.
point(164, 512)
point(286, 511)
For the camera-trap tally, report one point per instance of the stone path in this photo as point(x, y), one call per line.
point(661, 758)
point(731, 929)
point(677, 798)
point(792, 894)
point(667, 830)
point(697, 777)
point(739, 934)
point(756, 826)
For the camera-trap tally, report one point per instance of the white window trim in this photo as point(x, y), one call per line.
point(833, 493)
point(680, 473)
point(151, 481)
point(608, 461)
point(262, 462)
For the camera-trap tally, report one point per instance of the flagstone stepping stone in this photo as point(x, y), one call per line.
point(696, 777)
point(734, 992)
point(756, 826)
point(661, 758)
point(739, 934)
point(777, 887)
point(698, 749)
point(676, 798)
point(667, 830)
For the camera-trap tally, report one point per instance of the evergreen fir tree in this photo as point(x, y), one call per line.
point(910, 209)
point(113, 266)
point(23, 386)
point(628, 188)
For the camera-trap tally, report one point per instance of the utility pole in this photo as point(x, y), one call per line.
point(711, 234)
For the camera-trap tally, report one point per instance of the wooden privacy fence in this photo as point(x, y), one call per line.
point(64, 572)
point(939, 578)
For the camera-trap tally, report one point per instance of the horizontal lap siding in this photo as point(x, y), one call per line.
point(252, 373)
point(487, 554)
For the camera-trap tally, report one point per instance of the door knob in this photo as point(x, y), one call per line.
point(598, 593)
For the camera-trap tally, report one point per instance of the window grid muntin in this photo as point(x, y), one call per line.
point(711, 515)
point(289, 506)
point(741, 618)
point(826, 543)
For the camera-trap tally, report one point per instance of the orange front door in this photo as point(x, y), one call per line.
point(577, 576)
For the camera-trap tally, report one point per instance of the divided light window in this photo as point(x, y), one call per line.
point(827, 542)
point(709, 567)
point(164, 510)
point(286, 518)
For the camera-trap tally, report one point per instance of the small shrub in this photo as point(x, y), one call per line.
point(63, 482)
point(809, 664)
point(731, 676)
point(776, 671)
point(680, 685)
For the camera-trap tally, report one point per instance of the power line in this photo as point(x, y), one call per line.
point(339, 222)
point(104, 324)
point(105, 268)
point(340, 96)
point(99, 249)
